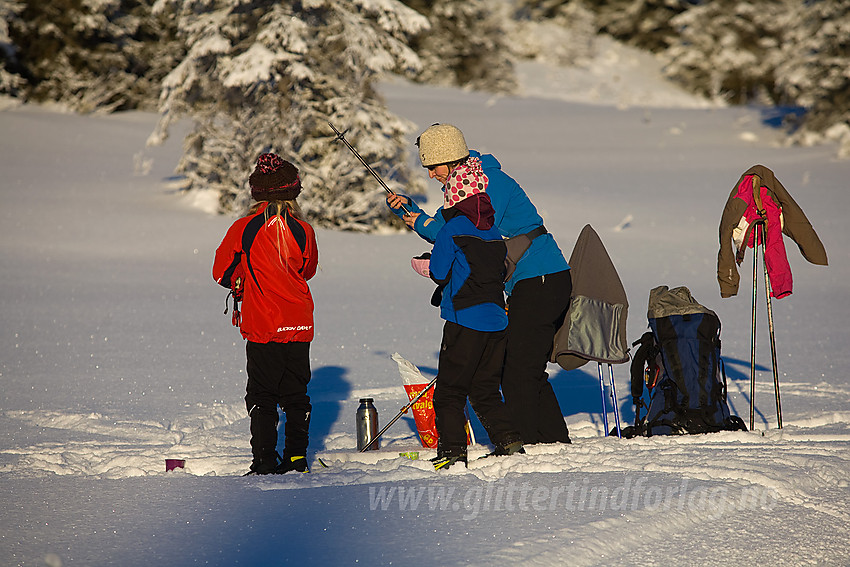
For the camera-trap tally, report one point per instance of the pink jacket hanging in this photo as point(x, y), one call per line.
point(781, 215)
point(744, 235)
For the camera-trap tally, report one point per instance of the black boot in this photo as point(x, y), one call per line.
point(297, 428)
point(266, 464)
point(443, 463)
point(297, 463)
point(447, 456)
point(509, 449)
point(506, 448)
point(264, 439)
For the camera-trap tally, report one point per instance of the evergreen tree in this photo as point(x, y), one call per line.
point(785, 53)
point(467, 45)
point(772, 52)
point(262, 76)
point(102, 55)
point(728, 50)
point(813, 70)
point(11, 80)
point(646, 24)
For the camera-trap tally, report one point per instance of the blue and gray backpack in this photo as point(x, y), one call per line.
point(678, 367)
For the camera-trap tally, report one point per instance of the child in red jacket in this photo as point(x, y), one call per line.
point(269, 255)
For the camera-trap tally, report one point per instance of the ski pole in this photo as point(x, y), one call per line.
point(753, 329)
point(604, 403)
point(341, 137)
point(614, 398)
point(400, 413)
point(772, 338)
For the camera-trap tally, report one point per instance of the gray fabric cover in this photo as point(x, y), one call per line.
point(664, 302)
point(595, 325)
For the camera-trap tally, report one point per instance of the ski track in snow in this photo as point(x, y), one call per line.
point(813, 452)
point(119, 448)
point(696, 478)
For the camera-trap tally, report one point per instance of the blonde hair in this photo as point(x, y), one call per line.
point(279, 208)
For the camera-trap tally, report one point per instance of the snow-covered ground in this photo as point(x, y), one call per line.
point(115, 355)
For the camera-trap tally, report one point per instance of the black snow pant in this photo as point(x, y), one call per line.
point(536, 310)
point(470, 365)
point(278, 374)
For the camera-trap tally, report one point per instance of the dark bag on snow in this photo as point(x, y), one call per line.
point(678, 364)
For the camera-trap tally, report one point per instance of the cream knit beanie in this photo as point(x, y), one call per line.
point(441, 143)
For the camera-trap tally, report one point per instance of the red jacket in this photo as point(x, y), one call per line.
point(277, 256)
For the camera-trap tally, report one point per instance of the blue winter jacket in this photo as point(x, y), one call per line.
point(470, 264)
point(515, 214)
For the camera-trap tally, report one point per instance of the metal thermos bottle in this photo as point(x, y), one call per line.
point(367, 425)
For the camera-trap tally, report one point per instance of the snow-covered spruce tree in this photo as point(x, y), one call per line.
point(11, 80)
point(814, 71)
point(466, 46)
point(728, 50)
point(785, 53)
point(646, 24)
point(261, 75)
point(91, 55)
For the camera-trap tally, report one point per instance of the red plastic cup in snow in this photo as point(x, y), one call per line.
point(171, 464)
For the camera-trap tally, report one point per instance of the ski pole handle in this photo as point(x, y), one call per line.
point(341, 137)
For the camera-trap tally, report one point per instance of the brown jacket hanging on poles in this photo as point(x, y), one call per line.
point(794, 224)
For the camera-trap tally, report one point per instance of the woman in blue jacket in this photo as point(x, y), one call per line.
point(538, 285)
point(468, 262)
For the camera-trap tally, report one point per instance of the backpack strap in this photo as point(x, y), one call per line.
point(643, 365)
point(517, 246)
